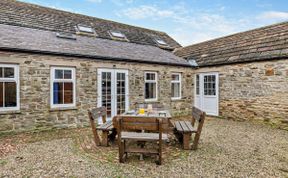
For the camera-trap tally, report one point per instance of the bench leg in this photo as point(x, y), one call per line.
point(186, 141)
point(121, 151)
point(105, 138)
point(195, 141)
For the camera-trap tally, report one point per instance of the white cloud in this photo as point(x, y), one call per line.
point(94, 1)
point(197, 26)
point(122, 2)
point(145, 11)
point(273, 15)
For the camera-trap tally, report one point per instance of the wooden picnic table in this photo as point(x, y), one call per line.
point(165, 114)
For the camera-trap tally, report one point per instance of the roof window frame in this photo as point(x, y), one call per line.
point(82, 31)
point(64, 35)
point(124, 38)
point(161, 42)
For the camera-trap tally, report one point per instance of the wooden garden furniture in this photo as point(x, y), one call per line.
point(184, 129)
point(108, 131)
point(129, 129)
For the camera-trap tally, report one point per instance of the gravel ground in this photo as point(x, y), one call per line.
point(226, 149)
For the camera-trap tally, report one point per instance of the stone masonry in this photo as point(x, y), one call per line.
point(248, 91)
point(35, 111)
point(257, 90)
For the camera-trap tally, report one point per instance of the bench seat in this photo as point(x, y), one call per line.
point(184, 126)
point(184, 129)
point(142, 136)
point(108, 126)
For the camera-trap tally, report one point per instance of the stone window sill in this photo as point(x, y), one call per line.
point(10, 112)
point(151, 101)
point(63, 109)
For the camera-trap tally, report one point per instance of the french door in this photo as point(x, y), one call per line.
point(113, 91)
point(206, 92)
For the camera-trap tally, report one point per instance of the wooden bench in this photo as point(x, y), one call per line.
point(127, 128)
point(108, 131)
point(184, 129)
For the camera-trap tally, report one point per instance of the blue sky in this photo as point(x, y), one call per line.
point(188, 21)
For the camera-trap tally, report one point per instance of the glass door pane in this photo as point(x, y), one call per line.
point(209, 85)
point(106, 92)
point(121, 92)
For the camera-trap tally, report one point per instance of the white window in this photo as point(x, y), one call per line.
point(9, 87)
point(210, 85)
point(159, 41)
point(150, 86)
point(117, 34)
point(63, 93)
point(176, 86)
point(85, 29)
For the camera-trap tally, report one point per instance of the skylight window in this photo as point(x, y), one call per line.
point(118, 35)
point(193, 62)
point(66, 36)
point(84, 29)
point(161, 42)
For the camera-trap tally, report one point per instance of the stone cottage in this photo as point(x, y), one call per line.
point(243, 76)
point(54, 65)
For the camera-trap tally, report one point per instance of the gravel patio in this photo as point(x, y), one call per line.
point(226, 149)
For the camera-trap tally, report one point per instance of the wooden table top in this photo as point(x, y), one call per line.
point(164, 114)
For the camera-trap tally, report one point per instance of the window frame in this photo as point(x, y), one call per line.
point(82, 31)
point(113, 36)
point(53, 79)
point(207, 91)
point(180, 85)
point(151, 81)
point(160, 41)
point(14, 79)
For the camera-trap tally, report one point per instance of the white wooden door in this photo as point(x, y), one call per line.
point(206, 92)
point(113, 91)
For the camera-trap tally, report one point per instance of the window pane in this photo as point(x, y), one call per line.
point(175, 90)
point(10, 94)
point(58, 93)
point(1, 94)
point(150, 90)
point(58, 74)
point(175, 77)
point(68, 93)
point(150, 76)
point(209, 85)
point(1, 72)
point(67, 74)
point(9, 72)
point(106, 92)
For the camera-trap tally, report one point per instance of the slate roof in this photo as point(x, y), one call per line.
point(266, 43)
point(40, 41)
point(33, 16)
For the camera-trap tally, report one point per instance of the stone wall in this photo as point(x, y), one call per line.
point(35, 112)
point(256, 90)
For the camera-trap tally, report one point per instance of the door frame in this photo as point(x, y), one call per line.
point(113, 89)
point(201, 90)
